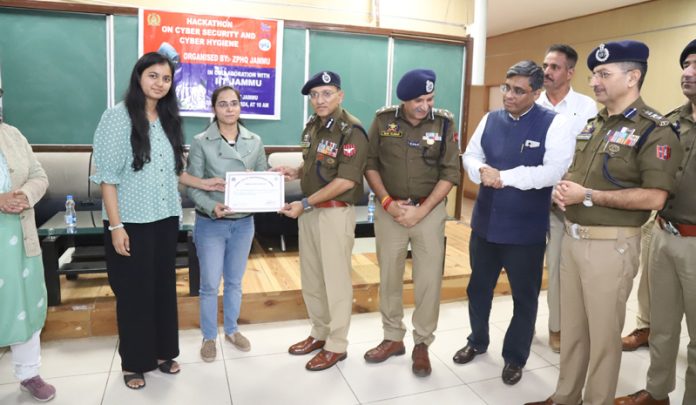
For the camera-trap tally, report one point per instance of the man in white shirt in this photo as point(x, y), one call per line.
point(559, 96)
point(517, 154)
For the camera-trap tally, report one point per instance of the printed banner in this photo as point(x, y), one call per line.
point(212, 51)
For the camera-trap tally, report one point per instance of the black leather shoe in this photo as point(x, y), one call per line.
point(512, 374)
point(466, 354)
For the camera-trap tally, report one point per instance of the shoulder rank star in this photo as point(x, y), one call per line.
point(349, 149)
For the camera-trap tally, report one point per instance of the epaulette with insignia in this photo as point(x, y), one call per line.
point(443, 113)
point(352, 123)
point(388, 108)
point(659, 120)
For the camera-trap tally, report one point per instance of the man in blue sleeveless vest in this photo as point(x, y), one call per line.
point(517, 154)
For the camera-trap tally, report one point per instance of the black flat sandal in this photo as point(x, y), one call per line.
point(166, 367)
point(135, 376)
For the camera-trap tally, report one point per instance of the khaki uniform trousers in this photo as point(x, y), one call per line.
point(673, 292)
point(428, 248)
point(596, 279)
point(643, 315)
point(553, 267)
point(326, 237)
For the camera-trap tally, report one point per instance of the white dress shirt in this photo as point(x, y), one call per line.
point(577, 107)
point(559, 145)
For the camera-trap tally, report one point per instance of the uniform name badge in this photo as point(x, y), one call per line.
point(254, 191)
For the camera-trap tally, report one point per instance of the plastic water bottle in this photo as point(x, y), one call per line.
point(70, 214)
point(371, 207)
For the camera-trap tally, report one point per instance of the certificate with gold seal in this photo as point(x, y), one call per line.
point(254, 191)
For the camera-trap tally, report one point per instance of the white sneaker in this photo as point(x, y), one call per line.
point(239, 341)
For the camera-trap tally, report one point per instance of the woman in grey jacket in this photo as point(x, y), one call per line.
point(223, 238)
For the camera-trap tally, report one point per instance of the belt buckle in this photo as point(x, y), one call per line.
point(671, 228)
point(575, 231)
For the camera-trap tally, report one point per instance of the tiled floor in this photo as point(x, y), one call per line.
point(86, 371)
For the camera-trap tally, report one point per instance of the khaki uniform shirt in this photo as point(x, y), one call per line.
point(412, 159)
point(337, 148)
point(681, 208)
point(635, 149)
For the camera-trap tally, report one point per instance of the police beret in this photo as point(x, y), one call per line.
point(690, 48)
point(325, 78)
point(415, 83)
point(620, 51)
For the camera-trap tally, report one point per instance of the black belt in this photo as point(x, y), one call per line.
point(201, 213)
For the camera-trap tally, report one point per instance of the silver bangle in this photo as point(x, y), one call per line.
point(115, 227)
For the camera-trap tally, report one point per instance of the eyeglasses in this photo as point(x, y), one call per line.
point(603, 74)
point(325, 95)
point(515, 90)
point(225, 104)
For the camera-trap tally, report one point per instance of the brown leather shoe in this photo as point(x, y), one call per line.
point(421, 361)
point(641, 397)
point(306, 346)
point(385, 350)
point(325, 359)
point(636, 339)
point(555, 341)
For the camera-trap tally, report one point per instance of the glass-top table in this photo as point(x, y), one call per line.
point(90, 223)
point(89, 249)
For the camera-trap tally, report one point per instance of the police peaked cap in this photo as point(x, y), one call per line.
point(619, 51)
point(690, 48)
point(415, 83)
point(325, 78)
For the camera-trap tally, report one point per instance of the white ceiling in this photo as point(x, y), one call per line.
point(512, 15)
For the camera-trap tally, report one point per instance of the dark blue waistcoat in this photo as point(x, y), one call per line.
point(510, 215)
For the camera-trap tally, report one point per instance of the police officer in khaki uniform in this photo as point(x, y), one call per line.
point(334, 154)
point(624, 166)
point(411, 167)
point(673, 262)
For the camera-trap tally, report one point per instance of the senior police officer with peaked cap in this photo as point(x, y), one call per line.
point(673, 263)
point(334, 151)
point(412, 165)
point(624, 166)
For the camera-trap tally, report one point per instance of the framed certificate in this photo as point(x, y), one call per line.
point(254, 191)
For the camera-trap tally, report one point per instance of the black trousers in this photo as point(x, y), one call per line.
point(524, 265)
point(145, 287)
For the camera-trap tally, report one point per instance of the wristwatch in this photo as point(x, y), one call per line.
point(587, 202)
point(305, 204)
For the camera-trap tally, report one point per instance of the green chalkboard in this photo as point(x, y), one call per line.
point(446, 60)
point(361, 61)
point(287, 131)
point(125, 52)
point(53, 73)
